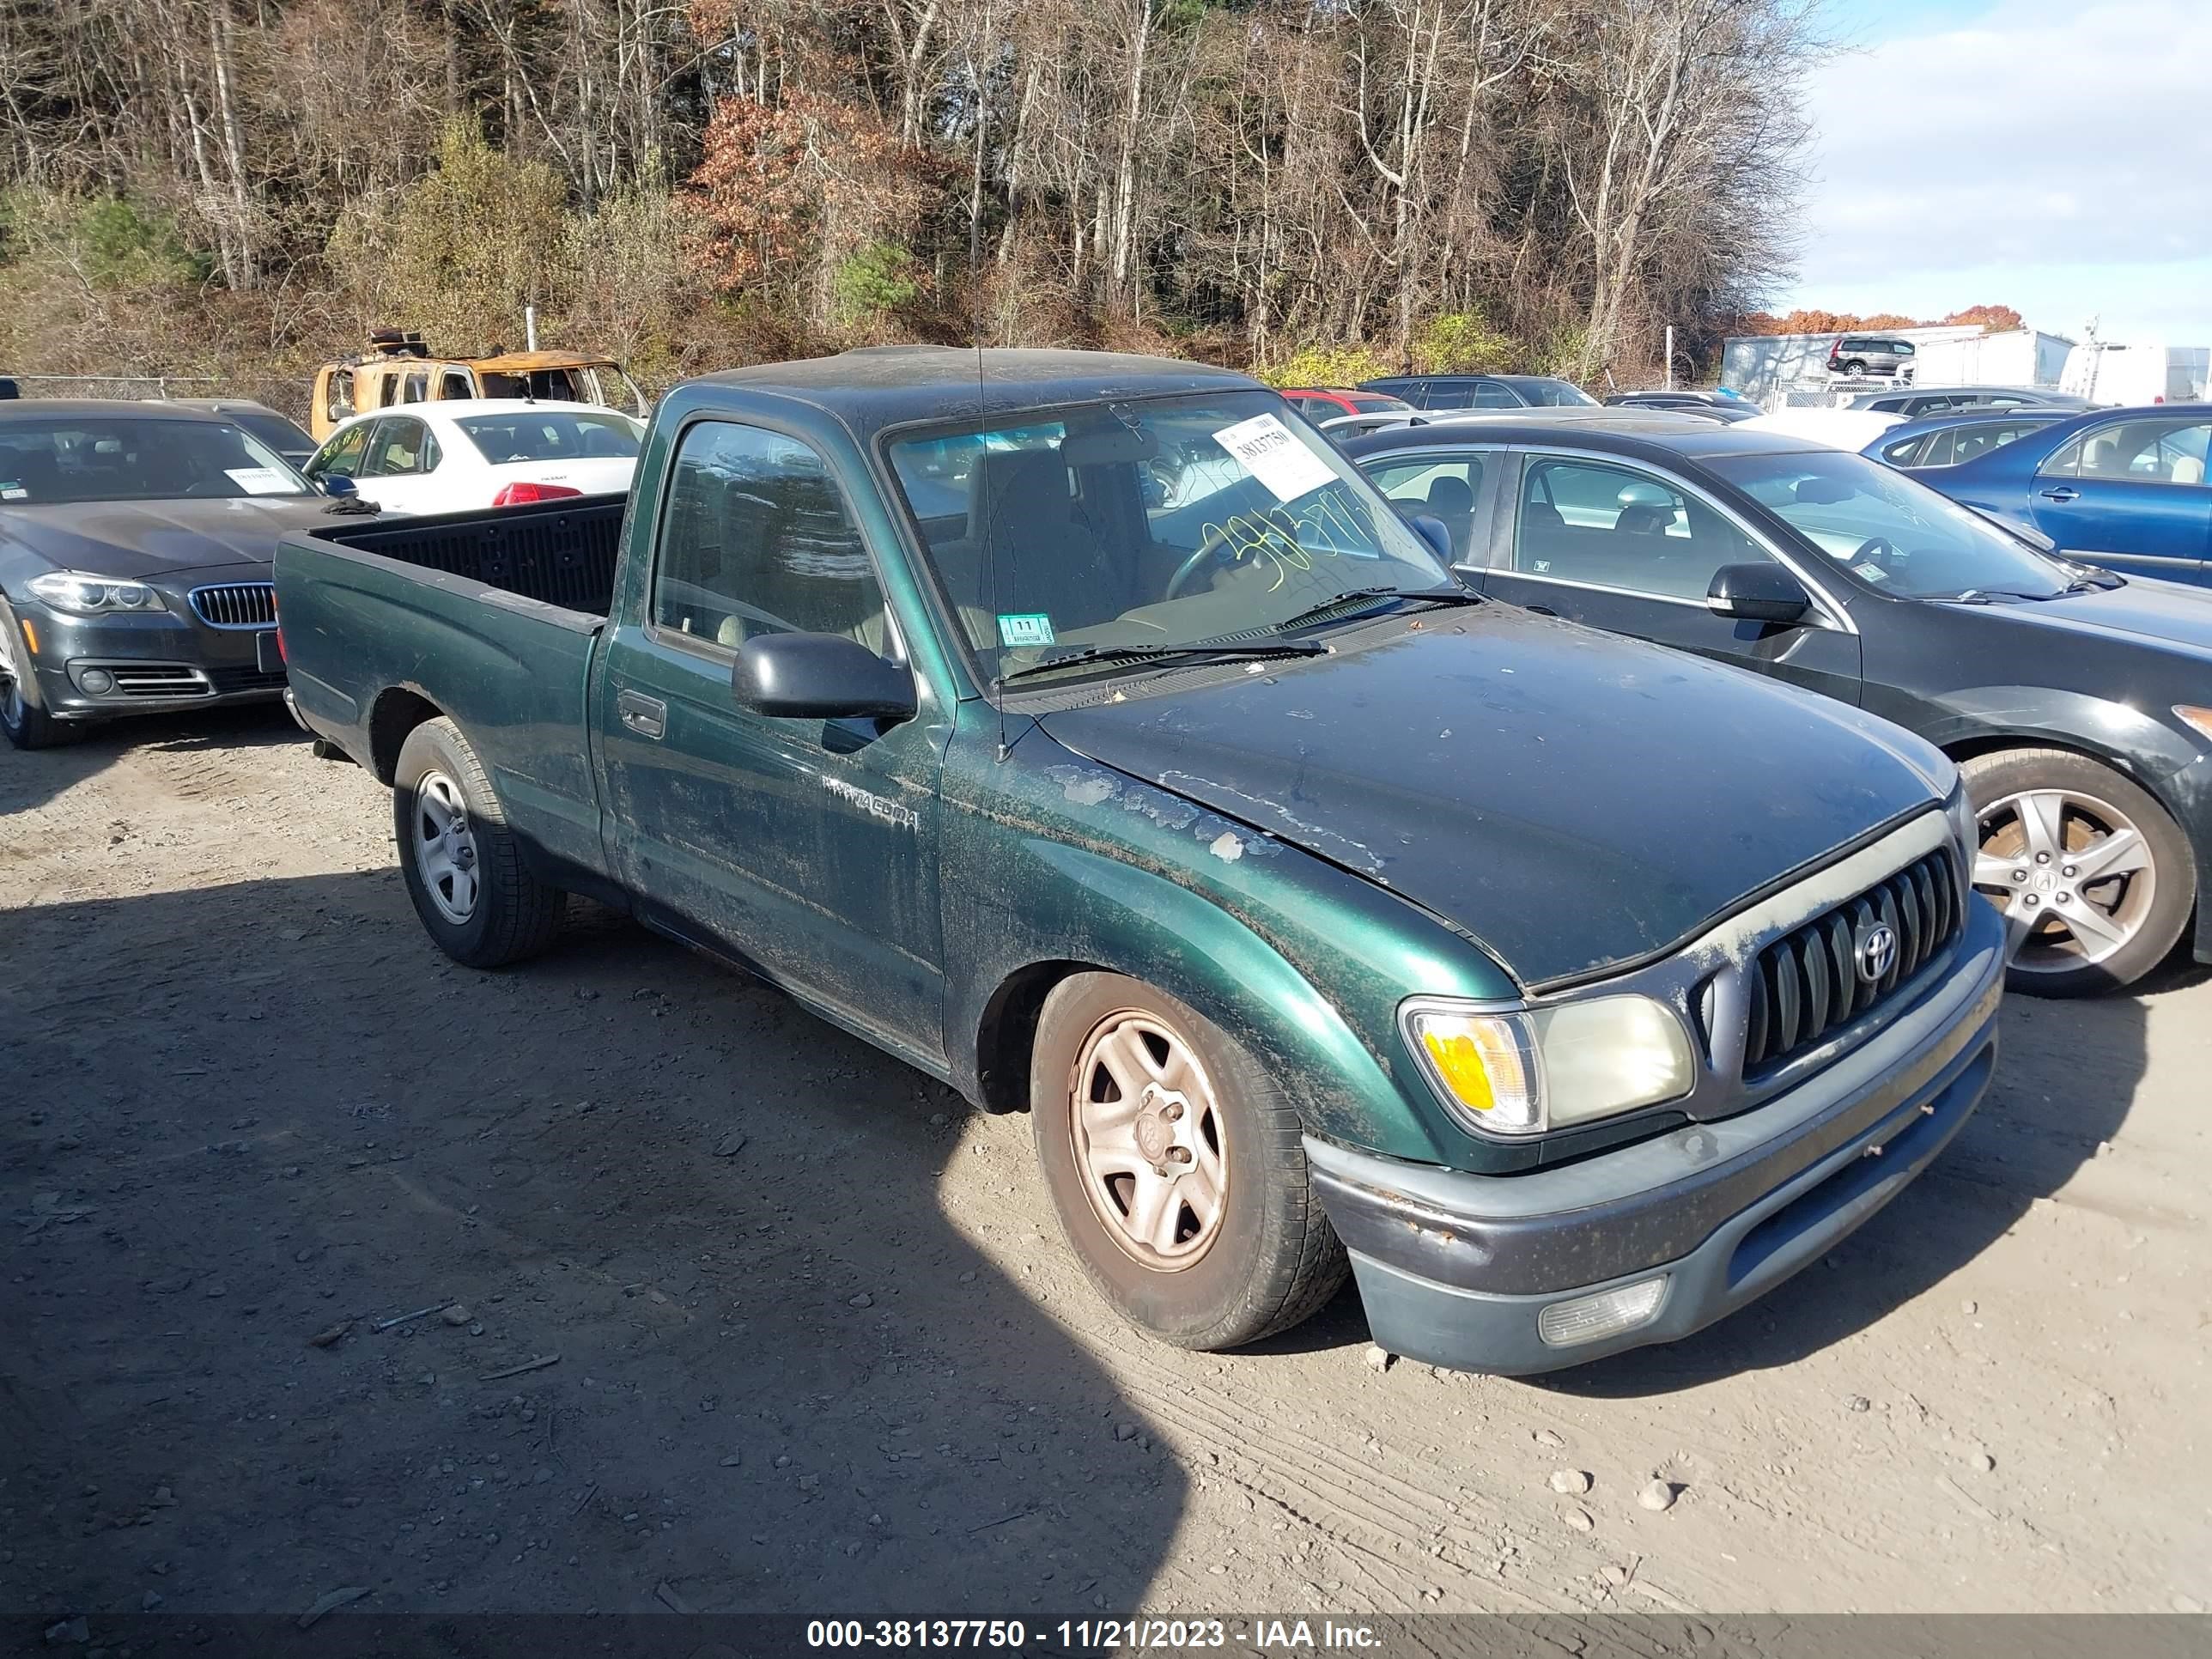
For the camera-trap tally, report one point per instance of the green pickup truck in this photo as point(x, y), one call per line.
point(1087, 732)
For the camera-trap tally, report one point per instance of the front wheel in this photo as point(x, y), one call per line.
point(1177, 1166)
point(2095, 879)
point(463, 866)
point(24, 722)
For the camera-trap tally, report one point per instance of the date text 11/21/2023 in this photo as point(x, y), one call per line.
point(1091, 1635)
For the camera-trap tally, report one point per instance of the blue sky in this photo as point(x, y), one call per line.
point(2054, 155)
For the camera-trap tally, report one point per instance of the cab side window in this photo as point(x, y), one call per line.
point(454, 383)
point(757, 540)
point(337, 401)
point(1618, 526)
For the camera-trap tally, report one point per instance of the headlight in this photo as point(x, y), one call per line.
point(1964, 827)
point(1521, 1073)
point(81, 595)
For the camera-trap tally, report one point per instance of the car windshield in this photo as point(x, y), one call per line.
point(1552, 394)
point(1893, 533)
point(534, 435)
point(1135, 527)
point(100, 458)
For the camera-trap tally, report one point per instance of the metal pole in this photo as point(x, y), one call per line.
point(530, 328)
point(1670, 356)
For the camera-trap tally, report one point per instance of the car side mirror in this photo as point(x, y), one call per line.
point(1760, 592)
point(825, 677)
point(337, 484)
point(1434, 533)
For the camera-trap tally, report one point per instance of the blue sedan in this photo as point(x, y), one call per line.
point(2122, 488)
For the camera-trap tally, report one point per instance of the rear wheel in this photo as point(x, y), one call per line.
point(1855, 366)
point(27, 725)
point(1177, 1166)
point(463, 866)
point(2095, 879)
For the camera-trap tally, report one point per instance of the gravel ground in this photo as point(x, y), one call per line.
point(739, 1315)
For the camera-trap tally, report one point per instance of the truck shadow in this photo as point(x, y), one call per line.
point(2067, 1075)
point(716, 1344)
point(29, 780)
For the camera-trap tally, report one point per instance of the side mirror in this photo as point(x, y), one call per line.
point(1434, 533)
point(337, 485)
point(1759, 593)
point(825, 676)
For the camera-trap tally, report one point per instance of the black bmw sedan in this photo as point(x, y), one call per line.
point(2077, 703)
point(135, 548)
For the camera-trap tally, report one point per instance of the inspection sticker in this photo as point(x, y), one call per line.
point(1034, 628)
point(1271, 452)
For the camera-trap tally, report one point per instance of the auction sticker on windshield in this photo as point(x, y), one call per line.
point(260, 480)
point(1267, 449)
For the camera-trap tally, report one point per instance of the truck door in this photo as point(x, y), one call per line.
point(807, 849)
point(2132, 495)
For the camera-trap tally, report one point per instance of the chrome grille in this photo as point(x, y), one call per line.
point(159, 679)
point(236, 605)
point(1806, 985)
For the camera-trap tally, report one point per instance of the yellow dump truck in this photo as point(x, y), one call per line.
point(399, 368)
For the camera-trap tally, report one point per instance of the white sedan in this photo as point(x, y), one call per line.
point(473, 452)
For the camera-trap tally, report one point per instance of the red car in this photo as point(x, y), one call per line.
point(1318, 403)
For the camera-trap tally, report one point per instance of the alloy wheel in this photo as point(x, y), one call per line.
point(2073, 874)
point(1151, 1140)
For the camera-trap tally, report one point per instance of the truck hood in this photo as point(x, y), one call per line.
point(135, 540)
point(1575, 801)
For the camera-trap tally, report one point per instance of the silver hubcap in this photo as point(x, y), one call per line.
point(2072, 873)
point(1150, 1140)
point(445, 849)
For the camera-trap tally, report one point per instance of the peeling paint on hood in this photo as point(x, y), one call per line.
point(1573, 800)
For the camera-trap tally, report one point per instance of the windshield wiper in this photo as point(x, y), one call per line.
point(1216, 650)
point(1314, 613)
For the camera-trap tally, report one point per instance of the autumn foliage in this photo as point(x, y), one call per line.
point(1993, 319)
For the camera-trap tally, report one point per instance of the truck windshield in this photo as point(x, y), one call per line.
point(1893, 533)
point(99, 459)
point(534, 435)
point(1158, 523)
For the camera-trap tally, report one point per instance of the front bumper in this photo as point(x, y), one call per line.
point(152, 663)
point(1458, 1269)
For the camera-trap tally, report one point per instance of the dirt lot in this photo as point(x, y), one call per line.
point(816, 1347)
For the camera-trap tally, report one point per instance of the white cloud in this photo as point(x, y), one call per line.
point(2040, 136)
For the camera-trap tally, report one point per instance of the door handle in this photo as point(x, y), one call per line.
point(2064, 493)
point(647, 716)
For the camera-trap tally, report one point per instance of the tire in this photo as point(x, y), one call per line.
point(2032, 803)
point(1268, 1258)
point(23, 720)
point(471, 886)
point(1856, 369)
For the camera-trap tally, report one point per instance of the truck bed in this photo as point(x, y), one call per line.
point(489, 617)
point(561, 552)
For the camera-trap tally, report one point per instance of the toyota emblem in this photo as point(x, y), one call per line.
point(1874, 948)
